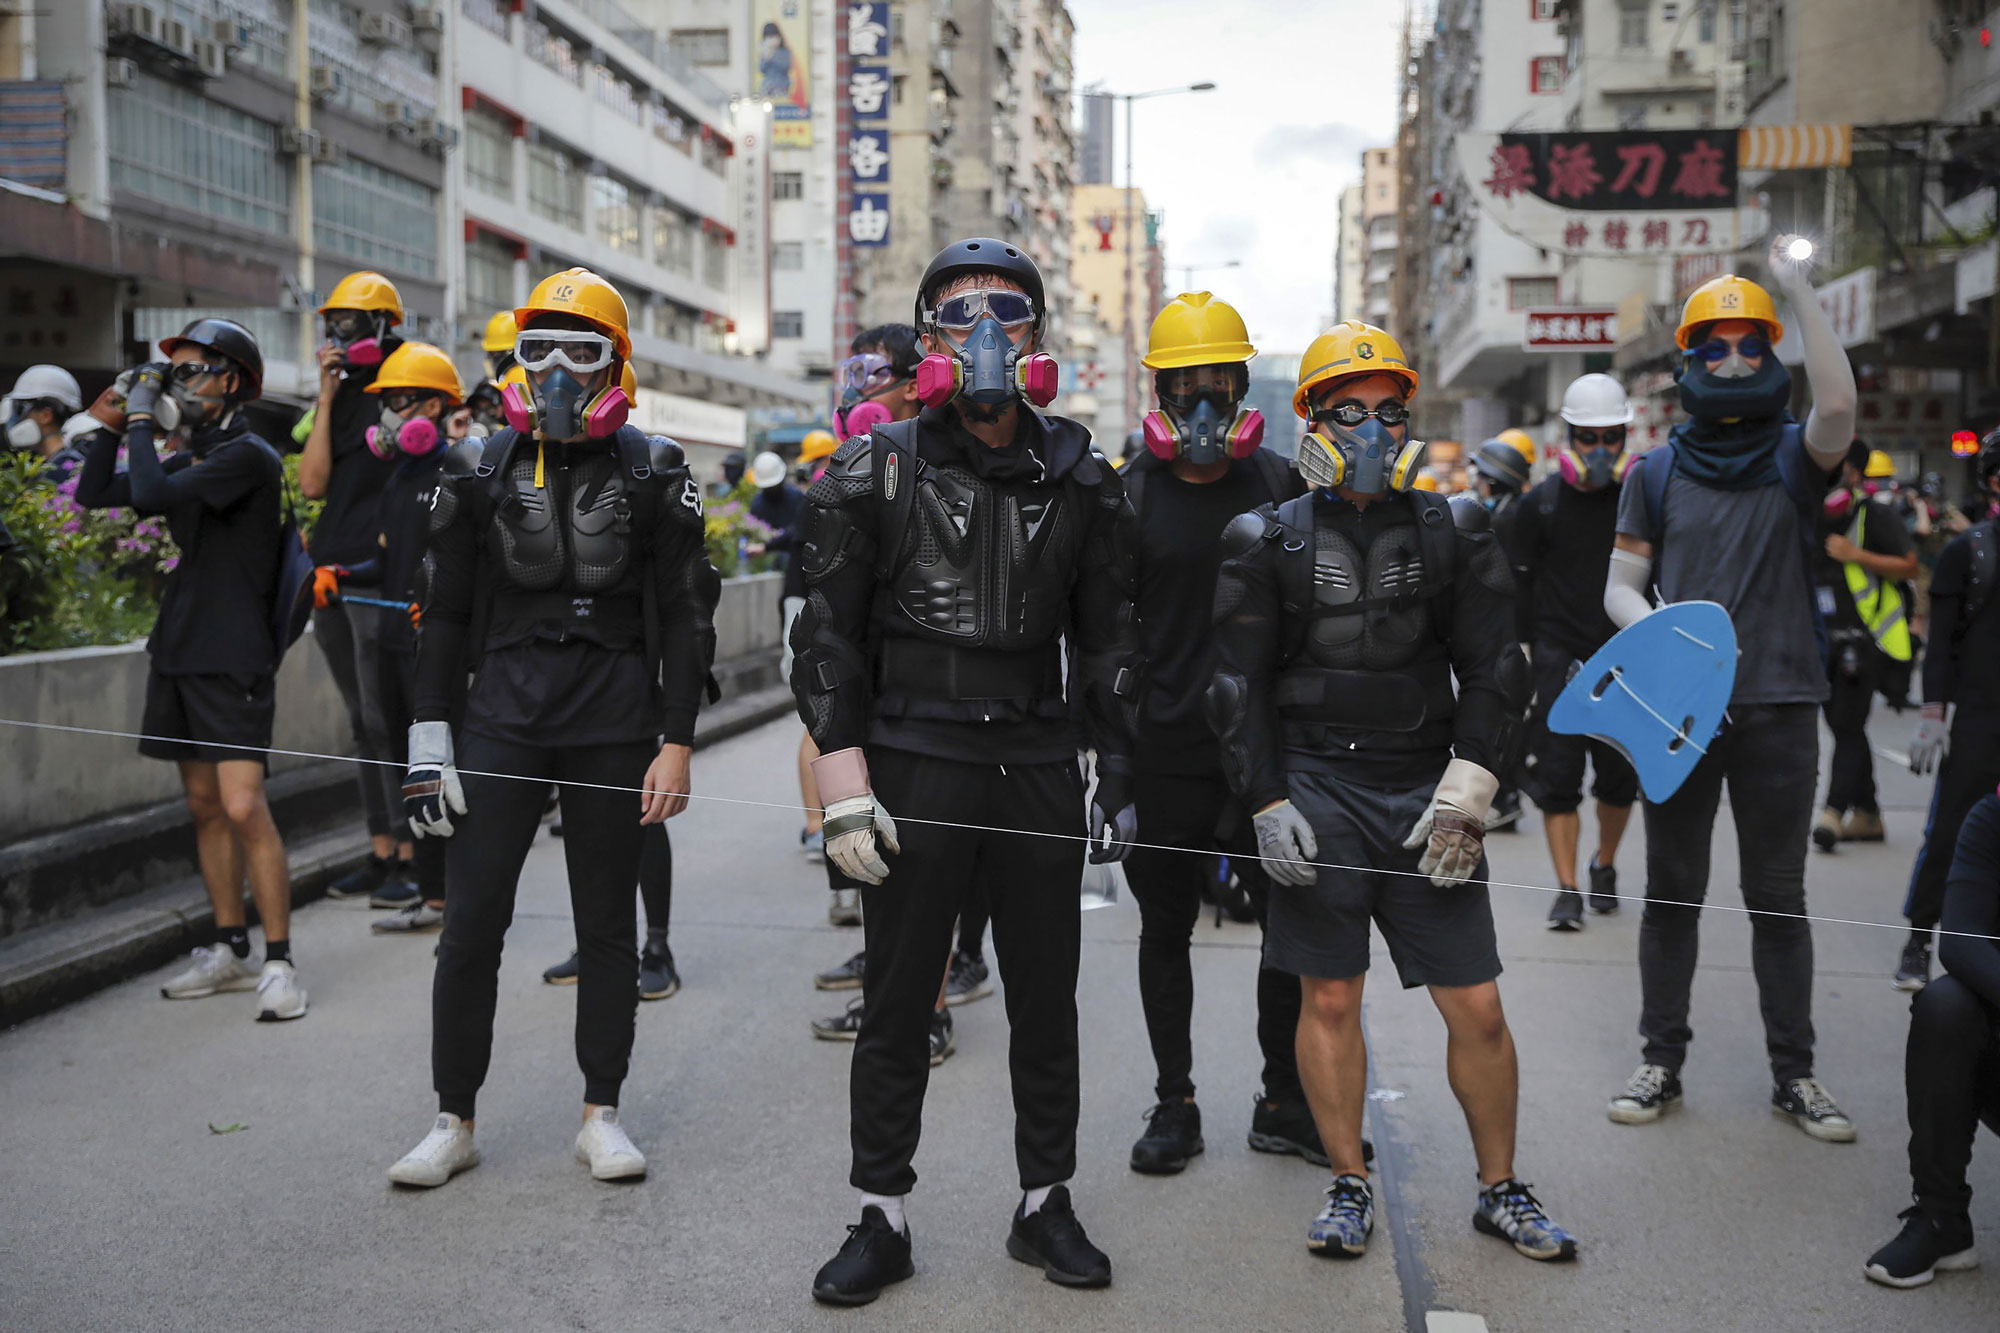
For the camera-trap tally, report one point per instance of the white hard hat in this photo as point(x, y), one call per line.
point(79, 426)
point(767, 470)
point(39, 382)
point(1596, 400)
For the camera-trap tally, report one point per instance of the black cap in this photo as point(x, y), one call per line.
point(981, 254)
point(231, 340)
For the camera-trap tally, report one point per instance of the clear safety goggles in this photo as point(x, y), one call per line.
point(1352, 415)
point(959, 313)
point(870, 372)
point(580, 350)
point(186, 372)
point(347, 325)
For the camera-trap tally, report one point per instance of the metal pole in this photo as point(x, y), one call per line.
point(1131, 361)
point(302, 195)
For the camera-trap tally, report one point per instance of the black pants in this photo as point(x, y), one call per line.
point(656, 877)
point(1186, 811)
point(397, 692)
point(350, 638)
point(1851, 781)
point(1951, 1074)
point(601, 843)
point(1970, 770)
point(1769, 756)
point(1033, 884)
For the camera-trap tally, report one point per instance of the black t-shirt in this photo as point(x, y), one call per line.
point(1560, 541)
point(1972, 905)
point(576, 690)
point(1180, 550)
point(1962, 664)
point(346, 531)
point(1882, 532)
point(222, 504)
point(404, 519)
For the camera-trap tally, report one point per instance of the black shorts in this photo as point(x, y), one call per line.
point(1436, 936)
point(209, 719)
point(1553, 779)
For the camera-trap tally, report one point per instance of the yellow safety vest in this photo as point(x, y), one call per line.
point(1879, 603)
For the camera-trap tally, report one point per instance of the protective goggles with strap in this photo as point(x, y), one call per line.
point(961, 312)
point(868, 373)
point(580, 350)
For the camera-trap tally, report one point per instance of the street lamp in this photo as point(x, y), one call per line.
point(1189, 270)
point(1131, 361)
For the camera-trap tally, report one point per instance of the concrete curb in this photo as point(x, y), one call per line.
point(49, 966)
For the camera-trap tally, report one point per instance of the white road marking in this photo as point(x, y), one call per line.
point(1453, 1321)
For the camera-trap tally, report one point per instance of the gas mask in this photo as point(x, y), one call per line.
point(358, 336)
point(1594, 468)
point(559, 403)
point(988, 370)
point(23, 431)
point(1208, 430)
point(398, 434)
point(860, 419)
point(1840, 503)
point(1367, 459)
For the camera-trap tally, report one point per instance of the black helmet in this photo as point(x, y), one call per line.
point(1500, 462)
point(233, 341)
point(1989, 458)
point(981, 254)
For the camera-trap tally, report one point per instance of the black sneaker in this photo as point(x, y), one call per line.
point(563, 973)
point(1286, 1128)
point(1648, 1094)
point(943, 1043)
point(875, 1255)
point(1603, 888)
point(1810, 1106)
point(1914, 971)
point(658, 978)
point(1173, 1134)
point(1566, 912)
point(847, 976)
point(969, 979)
point(1926, 1245)
point(843, 1026)
point(362, 881)
point(399, 888)
point(1053, 1239)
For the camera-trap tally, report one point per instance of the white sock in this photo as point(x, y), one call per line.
point(1032, 1201)
point(892, 1208)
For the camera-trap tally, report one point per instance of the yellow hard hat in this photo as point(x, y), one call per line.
point(1522, 442)
point(365, 291)
point(1351, 348)
point(1727, 297)
point(816, 445)
point(419, 366)
point(1879, 465)
point(628, 380)
point(1195, 329)
point(500, 332)
point(1424, 482)
point(579, 292)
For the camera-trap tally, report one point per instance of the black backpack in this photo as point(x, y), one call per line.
point(292, 602)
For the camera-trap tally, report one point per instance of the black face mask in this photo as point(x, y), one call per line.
point(1763, 393)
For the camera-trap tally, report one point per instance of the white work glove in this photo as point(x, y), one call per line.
point(1932, 743)
point(1286, 843)
point(431, 790)
point(1452, 831)
point(852, 827)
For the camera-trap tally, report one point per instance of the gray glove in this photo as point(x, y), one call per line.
point(852, 827)
point(1286, 843)
point(431, 790)
point(1932, 743)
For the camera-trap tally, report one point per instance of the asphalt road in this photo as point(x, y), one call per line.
point(123, 1209)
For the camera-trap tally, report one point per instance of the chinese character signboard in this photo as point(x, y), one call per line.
point(1906, 421)
point(750, 179)
point(867, 92)
point(1568, 329)
point(1623, 193)
point(868, 219)
point(781, 72)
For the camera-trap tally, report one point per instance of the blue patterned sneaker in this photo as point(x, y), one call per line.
point(1509, 1211)
point(1341, 1229)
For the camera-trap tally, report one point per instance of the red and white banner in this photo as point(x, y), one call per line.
point(1570, 329)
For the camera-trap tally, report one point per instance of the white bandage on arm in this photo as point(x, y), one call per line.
point(1625, 599)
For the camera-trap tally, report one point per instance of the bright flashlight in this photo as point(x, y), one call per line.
point(1800, 249)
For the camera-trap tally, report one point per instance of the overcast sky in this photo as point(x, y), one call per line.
point(1252, 171)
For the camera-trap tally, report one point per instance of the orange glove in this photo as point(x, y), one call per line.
point(326, 585)
point(416, 616)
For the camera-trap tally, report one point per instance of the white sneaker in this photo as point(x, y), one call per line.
point(604, 1145)
point(418, 916)
point(845, 909)
point(211, 971)
point(447, 1150)
point(279, 994)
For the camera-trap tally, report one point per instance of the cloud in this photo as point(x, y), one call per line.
point(1335, 144)
point(1228, 234)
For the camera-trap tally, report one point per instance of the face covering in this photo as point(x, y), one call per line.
point(416, 436)
point(1368, 451)
point(1709, 396)
point(860, 419)
point(559, 402)
point(988, 371)
point(24, 432)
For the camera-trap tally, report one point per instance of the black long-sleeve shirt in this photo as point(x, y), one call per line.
point(1956, 641)
point(403, 523)
point(222, 501)
point(1561, 560)
point(345, 531)
point(1972, 905)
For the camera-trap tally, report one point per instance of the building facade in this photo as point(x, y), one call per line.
point(1112, 280)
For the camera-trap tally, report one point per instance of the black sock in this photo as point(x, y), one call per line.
point(656, 938)
point(277, 951)
point(237, 938)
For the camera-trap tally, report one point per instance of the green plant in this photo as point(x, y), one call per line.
point(75, 576)
point(731, 531)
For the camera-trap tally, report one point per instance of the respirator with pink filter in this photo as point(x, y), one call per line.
point(986, 364)
point(560, 405)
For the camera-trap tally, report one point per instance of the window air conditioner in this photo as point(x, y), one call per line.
point(384, 30)
point(297, 142)
point(326, 81)
point(174, 35)
point(120, 71)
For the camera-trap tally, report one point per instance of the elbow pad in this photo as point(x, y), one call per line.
point(1625, 598)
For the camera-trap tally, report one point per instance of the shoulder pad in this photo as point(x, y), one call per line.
point(491, 453)
point(854, 458)
point(1110, 482)
point(1246, 532)
point(665, 454)
point(461, 457)
point(1468, 515)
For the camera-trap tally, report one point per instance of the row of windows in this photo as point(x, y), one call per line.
point(375, 217)
point(489, 285)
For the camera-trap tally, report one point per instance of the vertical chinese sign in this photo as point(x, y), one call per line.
point(781, 69)
point(866, 90)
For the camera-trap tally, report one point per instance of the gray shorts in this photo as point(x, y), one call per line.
point(1436, 937)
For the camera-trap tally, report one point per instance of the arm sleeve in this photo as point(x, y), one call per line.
point(365, 574)
point(1830, 426)
point(1481, 632)
point(97, 486)
point(453, 558)
point(1242, 697)
point(1972, 904)
point(687, 588)
point(831, 678)
point(1948, 583)
point(217, 481)
point(1107, 629)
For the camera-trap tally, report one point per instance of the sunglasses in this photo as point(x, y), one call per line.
point(1717, 350)
point(1585, 437)
point(865, 374)
point(346, 323)
point(401, 401)
point(961, 312)
point(1351, 415)
point(186, 372)
point(581, 351)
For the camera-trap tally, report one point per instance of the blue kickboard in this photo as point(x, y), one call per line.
point(1656, 692)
